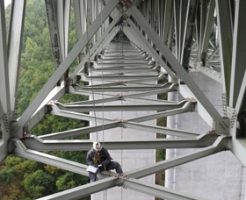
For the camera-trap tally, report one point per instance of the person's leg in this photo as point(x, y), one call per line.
point(114, 165)
point(93, 177)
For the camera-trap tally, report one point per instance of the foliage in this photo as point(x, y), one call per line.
point(38, 183)
point(69, 180)
point(26, 179)
point(52, 123)
point(36, 60)
point(6, 175)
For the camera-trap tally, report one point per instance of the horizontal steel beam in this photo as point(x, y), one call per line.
point(122, 88)
point(120, 76)
point(121, 58)
point(128, 107)
point(80, 145)
point(80, 131)
point(84, 190)
point(160, 130)
point(185, 108)
point(157, 190)
point(124, 64)
point(126, 70)
point(122, 68)
point(170, 88)
point(21, 150)
point(217, 146)
point(75, 115)
point(120, 63)
point(108, 52)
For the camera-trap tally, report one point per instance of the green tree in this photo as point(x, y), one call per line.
point(25, 179)
point(38, 183)
point(69, 180)
point(6, 175)
point(36, 60)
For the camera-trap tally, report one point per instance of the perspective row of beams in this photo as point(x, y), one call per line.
point(85, 190)
point(232, 51)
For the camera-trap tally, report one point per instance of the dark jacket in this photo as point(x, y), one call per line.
point(104, 156)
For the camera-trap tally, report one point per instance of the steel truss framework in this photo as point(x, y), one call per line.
point(170, 38)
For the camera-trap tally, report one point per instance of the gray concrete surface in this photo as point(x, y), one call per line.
point(129, 159)
point(217, 177)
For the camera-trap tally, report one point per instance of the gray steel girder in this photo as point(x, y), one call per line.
point(84, 190)
point(128, 107)
point(21, 150)
point(217, 146)
point(178, 68)
point(157, 190)
point(38, 144)
point(66, 63)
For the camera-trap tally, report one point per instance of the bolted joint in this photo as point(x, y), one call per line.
point(76, 80)
point(10, 146)
point(223, 127)
point(192, 103)
point(5, 122)
point(48, 108)
point(121, 97)
point(68, 83)
point(97, 58)
point(87, 66)
point(125, 4)
point(191, 99)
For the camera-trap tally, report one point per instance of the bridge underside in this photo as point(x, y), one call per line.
point(129, 55)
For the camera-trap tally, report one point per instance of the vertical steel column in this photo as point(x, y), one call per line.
point(89, 20)
point(238, 54)
point(238, 76)
point(58, 18)
point(14, 47)
point(168, 20)
point(176, 26)
point(202, 22)
point(183, 23)
point(80, 15)
point(188, 33)
point(161, 10)
point(225, 41)
point(4, 85)
point(63, 11)
point(207, 31)
point(80, 19)
point(4, 71)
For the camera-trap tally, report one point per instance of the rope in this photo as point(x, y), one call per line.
point(102, 75)
point(89, 60)
point(121, 128)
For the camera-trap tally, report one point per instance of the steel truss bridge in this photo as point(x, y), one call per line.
point(164, 40)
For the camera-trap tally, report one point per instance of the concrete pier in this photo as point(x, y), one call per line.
point(129, 159)
point(217, 177)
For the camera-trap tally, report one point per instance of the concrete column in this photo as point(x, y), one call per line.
point(129, 159)
point(218, 177)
